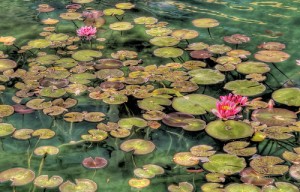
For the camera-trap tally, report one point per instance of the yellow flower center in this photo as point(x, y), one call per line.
point(226, 107)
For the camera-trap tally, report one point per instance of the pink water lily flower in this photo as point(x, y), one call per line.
point(226, 109)
point(87, 32)
point(238, 99)
point(92, 14)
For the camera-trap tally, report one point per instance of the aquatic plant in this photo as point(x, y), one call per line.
point(87, 32)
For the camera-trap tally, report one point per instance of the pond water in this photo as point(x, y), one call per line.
point(42, 75)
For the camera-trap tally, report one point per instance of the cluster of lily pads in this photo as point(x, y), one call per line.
point(57, 69)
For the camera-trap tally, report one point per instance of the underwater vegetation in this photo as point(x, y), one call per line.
point(104, 100)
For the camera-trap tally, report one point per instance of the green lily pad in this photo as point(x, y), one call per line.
point(66, 63)
point(278, 132)
point(73, 117)
point(138, 146)
point(18, 176)
point(148, 171)
point(81, 78)
point(164, 41)
point(245, 87)
point(194, 125)
point(129, 123)
point(202, 150)
point(195, 104)
point(95, 135)
point(215, 187)
point(168, 52)
point(6, 110)
point(6, 129)
point(268, 165)
point(281, 187)
point(112, 12)
point(6, 64)
point(205, 23)
point(52, 92)
point(46, 150)
point(39, 43)
point(159, 31)
point(43, 133)
point(125, 5)
point(185, 159)
point(82, 1)
point(225, 164)
point(250, 67)
point(43, 181)
point(86, 55)
point(47, 59)
point(219, 49)
point(82, 185)
point(38, 104)
point(116, 99)
point(228, 130)
point(237, 187)
point(154, 103)
point(109, 73)
point(181, 187)
point(145, 20)
point(239, 148)
point(57, 37)
point(139, 183)
point(287, 96)
point(206, 76)
point(121, 26)
point(274, 117)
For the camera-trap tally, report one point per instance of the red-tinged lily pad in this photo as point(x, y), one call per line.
point(250, 176)
point(96, 163)
point(281, 187)
point(274, 46)
point(43, 181)
point(200, 54)
point(195, 104)
point(22, 109)
point(18, 176)
point(225, 163)
point(229, 130)
point(6, 129)
point(274, 117)
point(186, 159)
point(287, 96)
point(139, 183)
point(82, 185)
point(46, 150)
point(295, 172)
point(270, 56)
point(138, 146)
point(237, 187)
point(177, 119)
point(239, 148)
point(236, 39)
point(268, 165)
point(181, 187)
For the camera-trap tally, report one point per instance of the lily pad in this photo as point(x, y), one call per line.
point(22, 134)
point(228, 130)
point(274, 117)
point(52, 92)
point(194, 125)
point(239, 148)
point(148, 171)
point(271, 56)
point(250, 67)
point(94, 116)
point(96, 163)
point(159, 31)
point(177, 119)
point(281, 187)
point(219, 49)
point(95, 135)
point(6, 129)
point(250, 176)
point(154, 103)
point(73, 117)
point(292, 157)
point(86, 55)
point(197, 46)
point(236, 187)
point(43, 181)
point(168, 52)
point(47, 59)
point(112, 12)
point(120, 133)
point(46, 150)
point(181, 187)
point(82, 185)
point(121, 26)
point(164, 41)
point(39, 43)
point(6, 64)
point(186, 159)
point(245, 87)
point(138, 146)
point(6, 110)
point(205, 23)
point(125, 5)
point(145, 20)
point(295, 172)
point(43, 133)
point(184, 34)
point(139, 183)
point(202, 150)
point(57, 37)
point(268, 165)
point(200, 54)
point(129, 123)
point(18, 176)
point(195, 104)
point(225, 164)
point(215, 187)
point(206, 76)
point(278, 132)
point(70, 16)
point(287, 96)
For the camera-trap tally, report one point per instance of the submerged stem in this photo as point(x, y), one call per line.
point(208, 30)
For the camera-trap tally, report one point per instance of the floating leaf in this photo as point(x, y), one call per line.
point(129, 123)
point(145, 20)
point(287, 96)
point(6, 129)
point(112, 12)
point(96, 163)
point(121, 26)
point(236, 187)
point(43, 181)
point(18, 176)
point(271, 56)
point(228, 130)
point(206, 76)
point(22, 134)
point(202, 150)
point(6, 110)
point(43, 133)
point(139, 183)
point(148, 171)
point(205, 23)
point(274, 117)
point(268, 165)
point(168, 52)
point(46, 150)
point(73, 117)
point(138, 146)
point(154, 103)
point(250, 67)
point(215, 187)
point(281, 187)
point(86, 55)
point(295, 172)
point(185, 159)
point(292, 157)
point(225, 164)
point(250, 176)
point(38, 104)
point(6, 64)
point(245, 87)
point(82, 185)
point(164, 41)
point(95, 135)
point(181, 187)
point(39, 43)
point(239, 148)
point(184, 34)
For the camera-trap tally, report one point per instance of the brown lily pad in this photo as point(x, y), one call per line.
point(185, 159)
point(202, 150)
point(268, 165)
point(271, 56)
point(18, 176)
point(239, 148)
point(250, 176)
